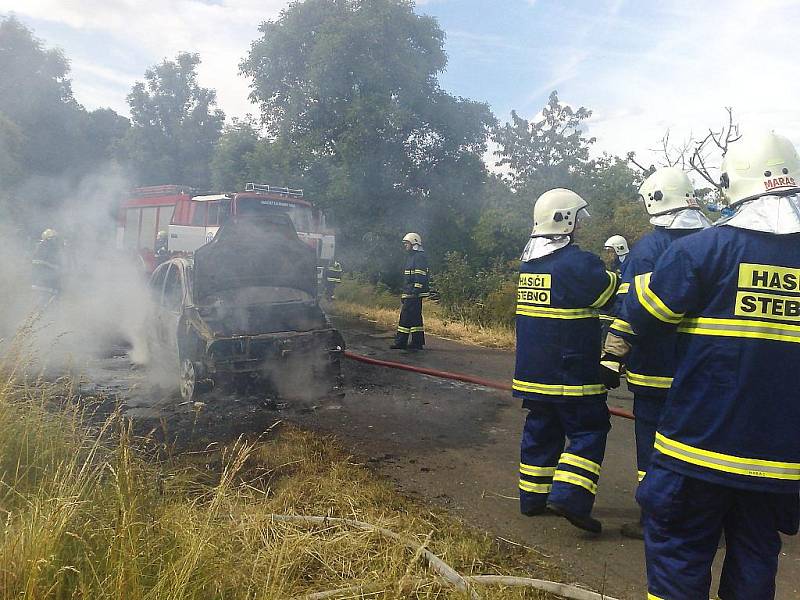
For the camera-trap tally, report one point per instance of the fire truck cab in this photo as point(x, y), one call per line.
point(197, 219)
point(147, 211)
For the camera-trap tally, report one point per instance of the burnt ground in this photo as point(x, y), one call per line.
point(451, 444)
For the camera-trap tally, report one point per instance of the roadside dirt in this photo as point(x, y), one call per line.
point(451, 444)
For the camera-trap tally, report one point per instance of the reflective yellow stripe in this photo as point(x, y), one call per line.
point(535, 488)
point(653, 597)
point(741, 328)
point(415, 329)
point(640, 475)
point(652, 303)
point(622, 326)
point(579, 480)
point(534, 471)
point(623, 288)
point(403, 329)
point(407, 272)
point(419, 272)
point(579, 461)
point(608, 292)
point(609, 318)
point(558, 390)
point(653, 381)
point(753, 467)
point(545, 312)
point(424, 295)
point(417, 285)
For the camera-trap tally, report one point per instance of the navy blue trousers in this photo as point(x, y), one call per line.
point(411, 323)
point(647, 410)
point(684, 518)
point(549, 473)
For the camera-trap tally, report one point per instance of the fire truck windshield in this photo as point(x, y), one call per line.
point(299, 214)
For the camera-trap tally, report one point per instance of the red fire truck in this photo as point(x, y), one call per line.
point(194, 219)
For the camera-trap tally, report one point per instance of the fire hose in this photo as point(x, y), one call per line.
point(454, 376)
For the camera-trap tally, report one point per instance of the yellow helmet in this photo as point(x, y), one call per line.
point(667, 190)
point(556, 212)
point(760, 165)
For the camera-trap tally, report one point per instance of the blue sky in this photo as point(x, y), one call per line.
point(643, 67)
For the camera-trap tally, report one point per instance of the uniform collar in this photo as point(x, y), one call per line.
point(779, 215)
point(688, 218)
point(538, 247)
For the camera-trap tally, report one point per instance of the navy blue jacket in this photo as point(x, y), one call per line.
point(650, 364)
point(732, 415)
point(557, 326)
point(415, 276)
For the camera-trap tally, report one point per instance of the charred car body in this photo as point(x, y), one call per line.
point(244, 307)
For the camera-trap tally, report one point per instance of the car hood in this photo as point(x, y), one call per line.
point(254, 253)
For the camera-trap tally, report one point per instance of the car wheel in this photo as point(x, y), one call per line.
point(188, 380)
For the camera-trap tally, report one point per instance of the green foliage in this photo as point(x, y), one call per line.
point(349, 92)
point(470, 294)
point(358, 290)
point(175, 125)
point(45, 135)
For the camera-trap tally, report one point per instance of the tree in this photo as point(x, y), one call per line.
point(175, 124)
point(349, 90)
point(548, 152)
point(553, 151)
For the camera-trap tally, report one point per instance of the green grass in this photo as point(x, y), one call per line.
point(90, 511)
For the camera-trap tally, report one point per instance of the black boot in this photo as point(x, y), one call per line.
point(398, 346)
point(584, 522)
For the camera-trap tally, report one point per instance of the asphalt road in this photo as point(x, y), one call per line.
point(456, 445)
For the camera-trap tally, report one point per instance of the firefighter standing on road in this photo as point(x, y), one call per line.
point(557, 373)
point(727, 449)
point(415, 288)
point(669, 198)
point(161, 251)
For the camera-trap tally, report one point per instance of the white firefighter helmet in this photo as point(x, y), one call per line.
point(667, 190)
point(162, 235)
point(618, 244)
point(556, 212)
point(760, 165)
point(413, 238)
point(49, 234)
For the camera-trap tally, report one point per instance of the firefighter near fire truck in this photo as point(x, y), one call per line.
point(416, 286)
point(47, 267)
point(333, 277)
point(668, 197)
point(726, 456)
point(557, 373)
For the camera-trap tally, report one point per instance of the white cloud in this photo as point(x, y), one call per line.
point(152, 30)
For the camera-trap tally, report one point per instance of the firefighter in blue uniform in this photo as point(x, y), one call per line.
point(616, 248)
point(727, 449)
point(669, 198)
point(333, 277)
point(561, 288)
point(415, 288)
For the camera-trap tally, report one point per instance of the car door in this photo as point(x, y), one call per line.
point(172, 306)
point(157, 280)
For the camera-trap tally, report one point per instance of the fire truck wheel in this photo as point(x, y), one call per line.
point(191, 382)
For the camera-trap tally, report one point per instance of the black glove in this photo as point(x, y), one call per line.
point(610, 367)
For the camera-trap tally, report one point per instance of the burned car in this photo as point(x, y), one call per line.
point(244, 308)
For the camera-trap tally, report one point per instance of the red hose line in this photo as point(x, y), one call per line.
point(455, 376)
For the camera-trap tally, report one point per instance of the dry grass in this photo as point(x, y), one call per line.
point(490, 337)
point(90, 511)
